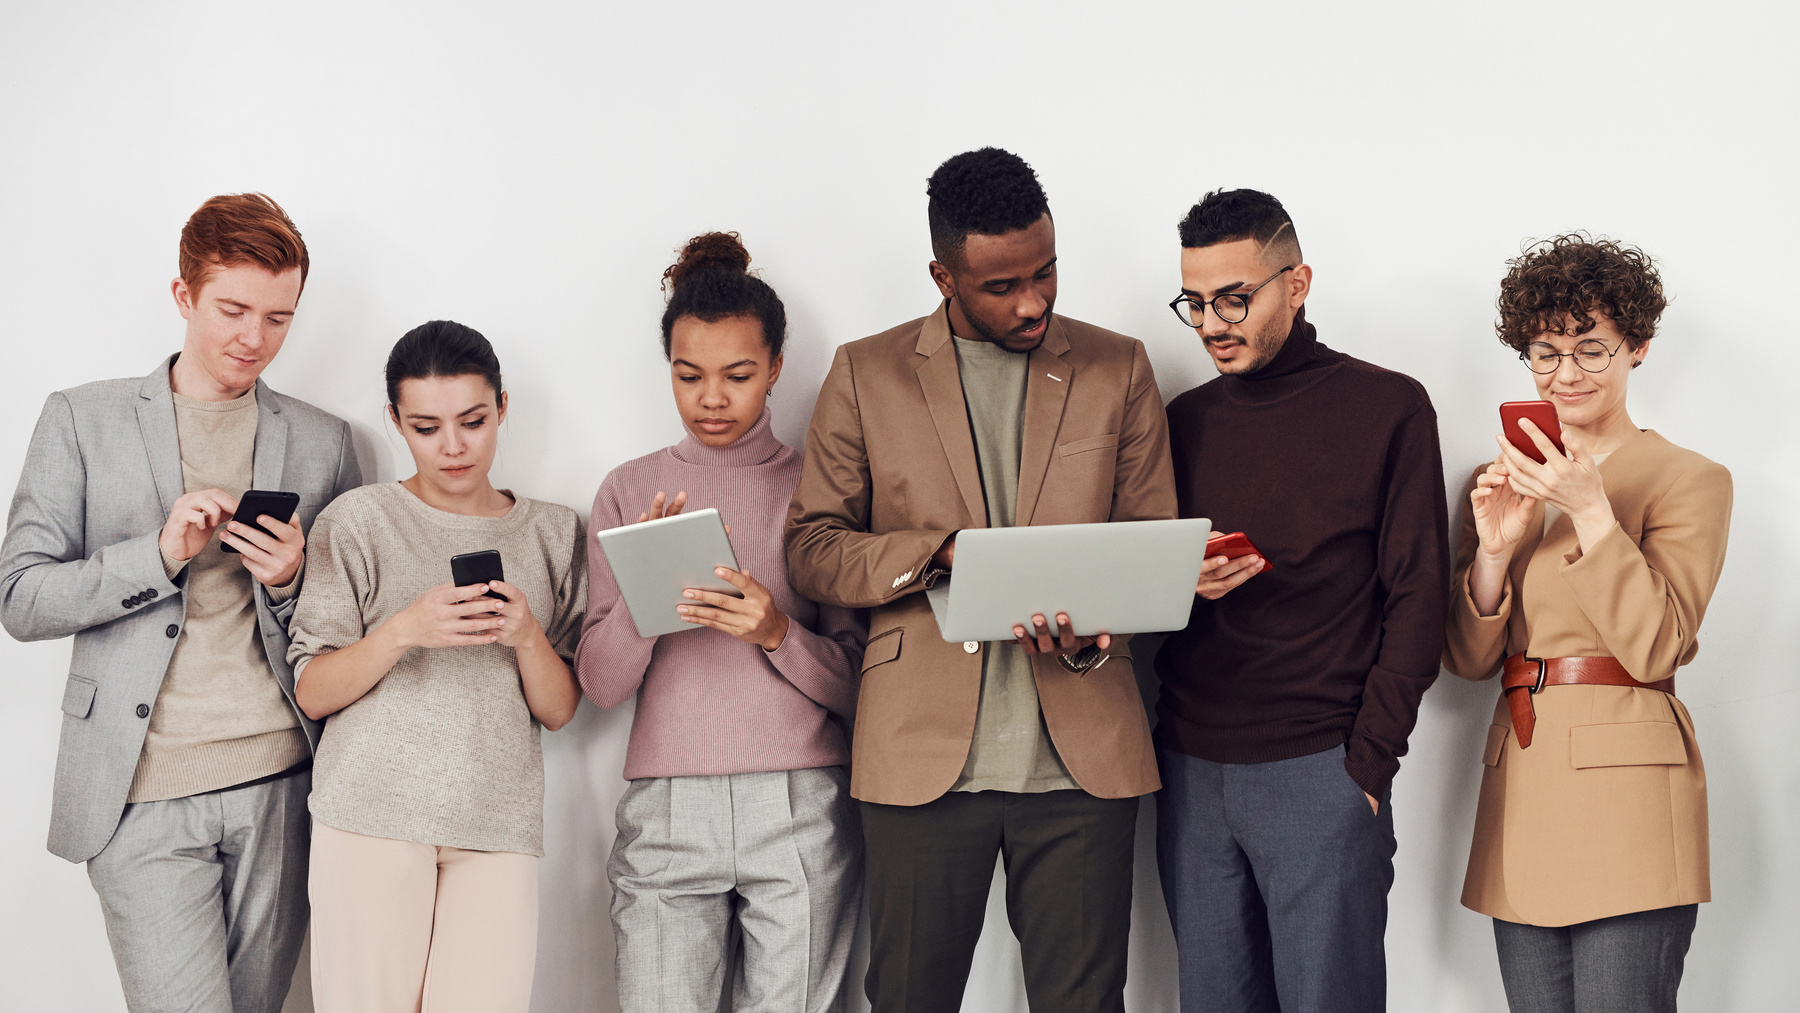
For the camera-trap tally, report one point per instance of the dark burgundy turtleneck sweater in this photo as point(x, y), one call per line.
point(1331, 466)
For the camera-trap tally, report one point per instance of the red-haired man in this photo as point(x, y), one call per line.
point(184, 766)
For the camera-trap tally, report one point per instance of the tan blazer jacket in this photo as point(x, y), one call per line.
point(891, 472)
point(1605, 814)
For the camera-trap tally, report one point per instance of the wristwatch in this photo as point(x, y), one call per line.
point(1083, 661)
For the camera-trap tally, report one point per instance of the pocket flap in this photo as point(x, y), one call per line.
point(78, 696)
point(1495, 743)
point(1626, 744)
point(1074, 447)
point(882, 649)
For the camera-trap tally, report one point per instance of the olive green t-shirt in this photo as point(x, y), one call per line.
point(1011, 749)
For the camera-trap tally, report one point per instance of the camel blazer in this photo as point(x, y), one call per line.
point(1605, 814)
point(891, 472)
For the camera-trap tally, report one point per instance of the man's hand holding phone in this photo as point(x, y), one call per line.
point(273, 558)
point(1231, 559)
point(1220, 574)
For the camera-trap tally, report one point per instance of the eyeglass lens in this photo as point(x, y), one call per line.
point(1591, 355)
point(1230, 308)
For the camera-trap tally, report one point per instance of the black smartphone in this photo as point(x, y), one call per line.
point(256, 503)
point(478, 568)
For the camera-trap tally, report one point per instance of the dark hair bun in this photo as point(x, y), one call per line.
point(712, 281)
point(724, 250)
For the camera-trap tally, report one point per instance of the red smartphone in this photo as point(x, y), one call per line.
point(1232, 544)
point(1542, 414)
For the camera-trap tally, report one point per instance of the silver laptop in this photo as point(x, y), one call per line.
point(1123, 577)
point(654, 561)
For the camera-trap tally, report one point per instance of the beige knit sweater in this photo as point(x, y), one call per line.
point(220, 717)
point(443, 750)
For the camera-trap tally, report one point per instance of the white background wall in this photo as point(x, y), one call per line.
point(528, 168)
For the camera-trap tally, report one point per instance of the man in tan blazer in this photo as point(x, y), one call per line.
point(990, 411)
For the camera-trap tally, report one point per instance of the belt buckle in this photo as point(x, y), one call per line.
point(1543, 669)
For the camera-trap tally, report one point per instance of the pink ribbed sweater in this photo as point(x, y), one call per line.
point(711, 703)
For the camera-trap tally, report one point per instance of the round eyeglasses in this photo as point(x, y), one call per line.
point(1231, 307)
point(1591, 354)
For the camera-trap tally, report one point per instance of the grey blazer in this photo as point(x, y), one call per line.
point(81, 558)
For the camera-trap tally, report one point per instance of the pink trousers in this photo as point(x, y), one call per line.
point(399, 927)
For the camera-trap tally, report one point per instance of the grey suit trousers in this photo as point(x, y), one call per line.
point(205, 897)
point(778, 852)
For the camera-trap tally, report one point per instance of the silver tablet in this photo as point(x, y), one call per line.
point(654, 561)
point(1125, 577)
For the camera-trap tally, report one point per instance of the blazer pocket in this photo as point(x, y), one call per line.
point(1495, 743)
point(1074, 447)
point(78, 696)
point(882, 649)
point(1626, 744)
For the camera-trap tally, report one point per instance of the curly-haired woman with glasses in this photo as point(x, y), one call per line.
point(1582, 581)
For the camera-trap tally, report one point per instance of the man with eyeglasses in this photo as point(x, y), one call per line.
point(1287, 701)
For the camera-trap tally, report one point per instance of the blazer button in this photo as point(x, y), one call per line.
point(171, 630)
point(150, 593)
point(970, 646)
point(143, 710)
point(126, 603)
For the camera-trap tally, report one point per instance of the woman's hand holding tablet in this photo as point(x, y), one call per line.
point(658, 560)
point(753, 618)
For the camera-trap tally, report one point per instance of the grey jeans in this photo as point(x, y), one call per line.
point(205, 897)
point(1628, 963)
point(1276, 877)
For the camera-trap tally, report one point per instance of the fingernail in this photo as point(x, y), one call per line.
point(681, 609)
point(687, 594)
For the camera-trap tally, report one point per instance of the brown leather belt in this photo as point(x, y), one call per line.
point(1522, 677)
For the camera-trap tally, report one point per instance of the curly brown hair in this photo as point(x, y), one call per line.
point(1577, 276)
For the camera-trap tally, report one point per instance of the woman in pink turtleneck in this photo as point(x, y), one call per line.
point(739, 805)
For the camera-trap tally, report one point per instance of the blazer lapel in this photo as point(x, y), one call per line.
point(156, 421)
point(271, 441)
point(1046, 390)
point(941, 383)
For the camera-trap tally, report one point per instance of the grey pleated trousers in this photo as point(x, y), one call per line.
point(205, 897)
point(779, 852)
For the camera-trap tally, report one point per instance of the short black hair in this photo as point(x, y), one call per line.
point(1226, 216)
point(441, 348)
point(711, 280)
point(987, 191)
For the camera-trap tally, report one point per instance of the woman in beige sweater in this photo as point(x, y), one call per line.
point(1584, 579)
point(428, 791)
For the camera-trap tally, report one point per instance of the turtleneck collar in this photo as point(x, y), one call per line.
point(757, 446)
point(1301, 362)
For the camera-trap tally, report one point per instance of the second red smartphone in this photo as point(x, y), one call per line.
point(1232, 544)
point(1542, 414)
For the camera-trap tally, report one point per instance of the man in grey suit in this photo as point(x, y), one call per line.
point(185, 765)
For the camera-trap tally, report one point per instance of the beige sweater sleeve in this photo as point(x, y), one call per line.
point(564, 631)
point(339, 582)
